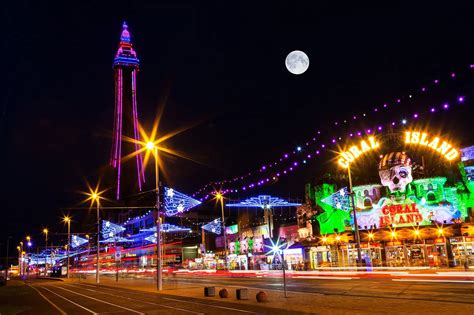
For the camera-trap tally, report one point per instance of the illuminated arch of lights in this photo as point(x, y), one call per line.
point(264, 202)
point(303, 156)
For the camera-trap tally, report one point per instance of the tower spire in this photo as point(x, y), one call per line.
point(126, 55)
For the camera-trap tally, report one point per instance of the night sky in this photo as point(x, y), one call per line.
point(220, 68)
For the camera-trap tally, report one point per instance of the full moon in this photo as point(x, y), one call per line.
point(297, 62)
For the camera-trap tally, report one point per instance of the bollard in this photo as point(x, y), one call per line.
point(262, 297)
point(242, 294)
point(223, 293)
point(209, 291)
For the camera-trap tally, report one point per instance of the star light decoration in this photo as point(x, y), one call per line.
point(339, 200)
point(110, 229)
point(215, 226)
point(264, 202)
point(77, 241)
point(176, 202)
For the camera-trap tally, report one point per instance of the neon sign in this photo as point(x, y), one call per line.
point(437, 144)
point(355, 151)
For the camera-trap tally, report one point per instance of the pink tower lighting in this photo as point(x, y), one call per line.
point(126, 66)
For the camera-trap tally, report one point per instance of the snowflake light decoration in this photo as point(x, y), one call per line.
point(339, 200)
point(215, 226)
point(263, 201)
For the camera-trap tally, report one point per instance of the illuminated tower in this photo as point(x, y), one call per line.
point(126, 66)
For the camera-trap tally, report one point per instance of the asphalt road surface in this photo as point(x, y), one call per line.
point(56, 297)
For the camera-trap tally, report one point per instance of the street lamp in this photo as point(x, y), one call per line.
point(220, 197)
point(356, 226)
point(150, 146)
point(45, 232)
point(67, 220)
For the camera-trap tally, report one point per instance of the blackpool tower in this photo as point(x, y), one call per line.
point(126, 66)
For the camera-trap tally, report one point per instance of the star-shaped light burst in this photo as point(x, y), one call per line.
point(277, 248)
point(152, 144)
point(94, 195)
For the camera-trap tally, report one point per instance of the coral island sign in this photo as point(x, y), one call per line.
point(412, 137)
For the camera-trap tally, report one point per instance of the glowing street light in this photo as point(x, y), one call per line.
point(67, 220)
point(45, 232)
point(94, 196)
point(151, 147)
point(220, 198)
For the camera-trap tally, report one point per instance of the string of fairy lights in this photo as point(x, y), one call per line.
point(303, 154)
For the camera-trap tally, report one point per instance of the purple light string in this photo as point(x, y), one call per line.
point(460, 99)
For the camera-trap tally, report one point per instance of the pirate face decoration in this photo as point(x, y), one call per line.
point(395, 171)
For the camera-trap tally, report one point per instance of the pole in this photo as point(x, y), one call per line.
point(356, 226)
point(159, 280)
point(223, 230)
point(6, 259)
point(68, 244)
point(45, 255)
point(284, 273)
point(97, 279)
point(116, 259)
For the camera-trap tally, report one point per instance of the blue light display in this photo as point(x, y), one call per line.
point(110, 229)
point(215, 226)
point(263, 201)
point(168, 228)
point(116, 239)
point(176, 202)
point(77, 241)
point(339, 200)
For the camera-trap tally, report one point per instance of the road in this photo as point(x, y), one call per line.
point(183, 295)
point(57, 297)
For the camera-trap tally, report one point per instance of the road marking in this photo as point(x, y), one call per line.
point(48, 300)
point(85, 308)
point(105, 302)
point(325, 278)
point(428, 280)
point(208, 305)
point(146, 302)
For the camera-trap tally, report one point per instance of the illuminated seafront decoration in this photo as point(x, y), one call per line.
point(77, 241)
point(263, 201)
point(116, 239)
point(339, 200)
point(176, 202)
point(110, 229)
point(168, 228)
point(399, 200)
point(215, 226)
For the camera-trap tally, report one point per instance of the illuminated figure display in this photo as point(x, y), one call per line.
point(126, 66)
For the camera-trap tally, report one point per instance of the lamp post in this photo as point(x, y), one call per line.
point(220, 198)
point(67, 220)
point(95, 198)
point(18, 248)
point(45, 232)
point(356, 226)
point(21, 259)
point(159, 279)
point(6, 258)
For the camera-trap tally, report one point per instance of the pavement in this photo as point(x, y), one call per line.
point(183, 294)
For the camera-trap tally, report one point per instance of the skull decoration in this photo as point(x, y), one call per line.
point(395, 171)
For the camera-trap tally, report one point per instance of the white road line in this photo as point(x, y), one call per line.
point(208, 305)
point(48, 300)
point(64, 298)
point(146, 302)
point(325, 278)
point(428, 280)
point(105, 302)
